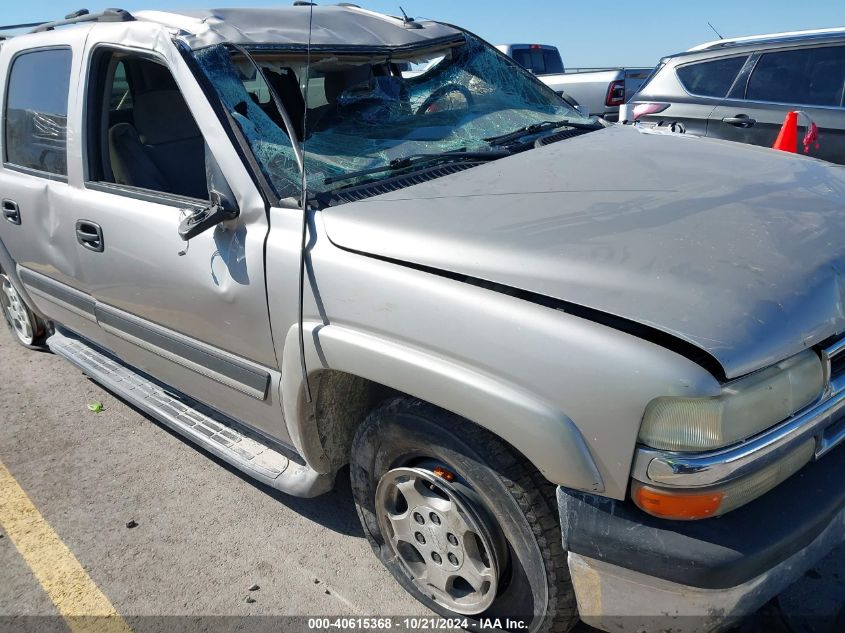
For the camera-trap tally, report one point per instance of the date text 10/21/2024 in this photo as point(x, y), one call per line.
point(413, 624)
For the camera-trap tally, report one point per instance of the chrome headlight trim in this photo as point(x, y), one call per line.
point(691, 470)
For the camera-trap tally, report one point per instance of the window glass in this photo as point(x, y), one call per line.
point(148, 137)
point(540, 61)
point(36, 111)
point(247, 98)
point(813, 76)
point(711, 79)
point(121, 97)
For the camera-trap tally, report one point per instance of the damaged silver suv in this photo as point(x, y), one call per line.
point(317, 236)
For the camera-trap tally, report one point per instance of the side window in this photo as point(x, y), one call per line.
point(813, 76)
point(144, 134)
point(711, 79)
point(36, 111)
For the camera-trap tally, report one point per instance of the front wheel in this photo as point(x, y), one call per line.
point(27, 328)
point(463, 522)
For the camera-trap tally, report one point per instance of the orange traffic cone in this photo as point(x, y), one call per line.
point(787, 139)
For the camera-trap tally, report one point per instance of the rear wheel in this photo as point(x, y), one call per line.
point(463, 522)
point(27, 328)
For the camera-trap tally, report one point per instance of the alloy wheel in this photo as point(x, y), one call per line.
point(17, 313)
point(445, 540)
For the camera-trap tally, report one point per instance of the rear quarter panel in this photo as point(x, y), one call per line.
point(690, 110)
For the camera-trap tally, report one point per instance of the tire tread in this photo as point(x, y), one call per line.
point(535, 495)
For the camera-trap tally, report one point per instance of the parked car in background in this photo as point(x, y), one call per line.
point(597, 91)
point(741, 89)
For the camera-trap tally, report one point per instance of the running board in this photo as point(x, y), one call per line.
point(211, 430)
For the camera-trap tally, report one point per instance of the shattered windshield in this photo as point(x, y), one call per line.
point(360, 112)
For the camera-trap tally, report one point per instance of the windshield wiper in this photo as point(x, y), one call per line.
point(420, 159)
point(538, 128)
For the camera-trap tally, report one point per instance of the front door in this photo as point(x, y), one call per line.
point(193, 315)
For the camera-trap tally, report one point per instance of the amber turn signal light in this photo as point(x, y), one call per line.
point(686, 506)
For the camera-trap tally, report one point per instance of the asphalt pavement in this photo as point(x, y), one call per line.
point(164, 529)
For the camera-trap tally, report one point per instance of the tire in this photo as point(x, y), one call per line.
point(26, 328)
point(496, 500)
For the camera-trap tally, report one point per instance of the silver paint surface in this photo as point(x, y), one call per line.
point(537, 377)
point(735, 249)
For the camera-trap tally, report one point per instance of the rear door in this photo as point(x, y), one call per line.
point(806, 79)
point(39, 157)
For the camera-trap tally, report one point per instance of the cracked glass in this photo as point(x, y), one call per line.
point(360, 112)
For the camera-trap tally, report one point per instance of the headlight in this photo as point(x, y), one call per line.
point(744, 408)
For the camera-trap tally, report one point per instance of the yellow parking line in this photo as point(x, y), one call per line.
point(73, 592)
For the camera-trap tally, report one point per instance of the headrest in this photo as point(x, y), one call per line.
point(162, 116)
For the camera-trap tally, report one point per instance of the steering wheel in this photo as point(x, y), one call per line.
point(441, 92)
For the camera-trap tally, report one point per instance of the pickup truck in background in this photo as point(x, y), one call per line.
point(598, 91)
point(540, 59)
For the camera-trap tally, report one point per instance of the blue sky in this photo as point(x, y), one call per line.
point(604, 34)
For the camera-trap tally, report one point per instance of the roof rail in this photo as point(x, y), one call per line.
point(14, 27)
point(109, 15)
point(787, 36)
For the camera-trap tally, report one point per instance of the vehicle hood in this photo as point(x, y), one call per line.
point(737, 249)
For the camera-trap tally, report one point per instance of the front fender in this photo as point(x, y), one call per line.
point(541, 432)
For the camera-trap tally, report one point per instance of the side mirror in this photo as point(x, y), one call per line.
point(203, 219)
point(583, 110)
point(222, 208)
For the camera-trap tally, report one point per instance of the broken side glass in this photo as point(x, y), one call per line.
point(269, 143)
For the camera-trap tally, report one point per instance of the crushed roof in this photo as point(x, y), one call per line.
point(334, 27)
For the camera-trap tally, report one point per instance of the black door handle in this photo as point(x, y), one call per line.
point(11, 211)
point(740, 120)
point(90, 235)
